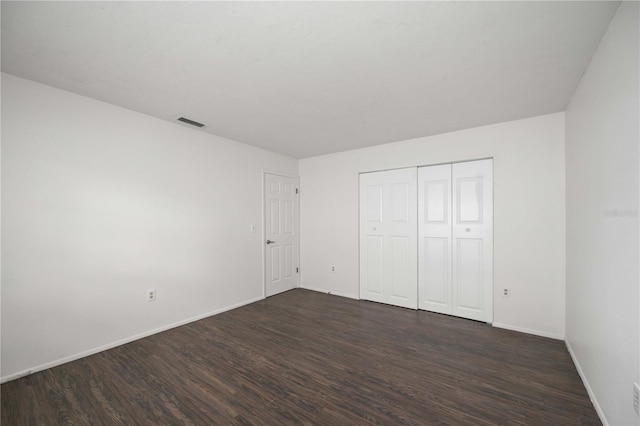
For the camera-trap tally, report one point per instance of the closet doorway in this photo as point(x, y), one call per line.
point(426, 238)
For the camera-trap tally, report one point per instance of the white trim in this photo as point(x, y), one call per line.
point(298, 191)
point(585, 382)
point(529, 331)
point(332, 293)
point(112, 345)
point(264, 232)
point(279, 173)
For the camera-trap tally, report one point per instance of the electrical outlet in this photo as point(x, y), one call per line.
point(151, 295)
point(333, 268)
point(636, 397)
point(506, 292)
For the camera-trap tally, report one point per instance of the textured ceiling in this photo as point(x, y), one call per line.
point(309, 78)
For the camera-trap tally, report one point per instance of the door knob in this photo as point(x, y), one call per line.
point(270, 242)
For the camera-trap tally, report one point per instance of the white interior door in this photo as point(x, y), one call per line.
point(281, 233)
point(388, 237)
point(472, 253)
point(434, 239)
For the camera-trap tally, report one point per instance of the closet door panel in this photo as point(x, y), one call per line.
point(434, 238)
point(436, 271)
point(403, 284)
point(372, 268)
point(388, 238)
point(473, 240)
point(469, 277)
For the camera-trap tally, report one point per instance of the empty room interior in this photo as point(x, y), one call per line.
point(320, 213)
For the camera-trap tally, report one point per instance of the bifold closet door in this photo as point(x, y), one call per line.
point(455, 234)
point(388, 237)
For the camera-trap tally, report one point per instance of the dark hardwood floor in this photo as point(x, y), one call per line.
point(308, 358)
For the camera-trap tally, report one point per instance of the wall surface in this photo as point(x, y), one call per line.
point(529, 215)
point(101, 203)
point(602, 220)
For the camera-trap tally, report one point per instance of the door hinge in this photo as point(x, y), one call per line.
point(297, 270)
point(296, 190)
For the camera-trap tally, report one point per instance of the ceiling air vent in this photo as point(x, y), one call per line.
point(193, 123)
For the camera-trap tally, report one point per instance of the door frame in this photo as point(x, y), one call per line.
point(264, 225)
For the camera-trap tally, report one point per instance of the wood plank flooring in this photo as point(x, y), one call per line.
point(303, 357)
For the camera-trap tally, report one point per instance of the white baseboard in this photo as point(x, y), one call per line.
point(592, 396)
point(528, 331)
point(325, 291)
point(112, 345)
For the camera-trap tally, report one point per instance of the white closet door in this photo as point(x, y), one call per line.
point(388, 246)
point(434, 239)
point(472, 252)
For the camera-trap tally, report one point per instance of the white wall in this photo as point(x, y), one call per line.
point(602, 251)
point(529, 214)
point(101, 203)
